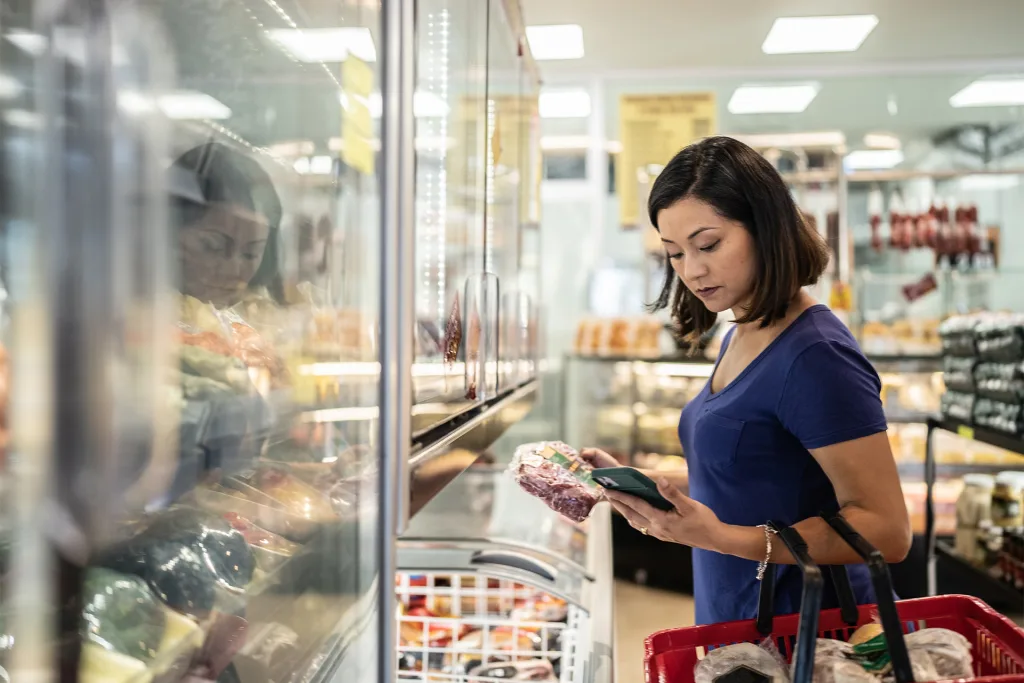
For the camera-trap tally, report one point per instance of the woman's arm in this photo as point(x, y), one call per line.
point(866, 483)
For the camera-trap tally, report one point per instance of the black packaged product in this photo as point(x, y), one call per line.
point(957, 335)
point(1000, 381)
point(1000, 339)
point(1002, 417)
point(958, 373)
point(958, 406)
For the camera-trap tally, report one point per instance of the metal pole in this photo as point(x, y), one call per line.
point(396, 298)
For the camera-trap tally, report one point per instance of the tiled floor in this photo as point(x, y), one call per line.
point(638, 613)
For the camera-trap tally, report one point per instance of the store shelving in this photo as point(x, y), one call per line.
point(943, 562)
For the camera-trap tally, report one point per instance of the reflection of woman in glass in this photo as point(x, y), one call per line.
point(227, 213)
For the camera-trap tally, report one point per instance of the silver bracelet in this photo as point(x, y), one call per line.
point(762, 567)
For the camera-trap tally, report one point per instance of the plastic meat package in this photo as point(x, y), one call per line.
point(764, 659)
point(950, 653)
point(555, 473)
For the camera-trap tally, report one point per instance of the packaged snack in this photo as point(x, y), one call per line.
point(555, 473)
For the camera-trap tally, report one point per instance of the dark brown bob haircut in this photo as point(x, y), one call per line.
point(741, 186)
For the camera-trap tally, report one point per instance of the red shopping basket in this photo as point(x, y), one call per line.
point(998, 645)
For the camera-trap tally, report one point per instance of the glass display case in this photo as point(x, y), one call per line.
point(215, 215)
point(484, 561)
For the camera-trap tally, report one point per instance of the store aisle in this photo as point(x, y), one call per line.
point(639, 612)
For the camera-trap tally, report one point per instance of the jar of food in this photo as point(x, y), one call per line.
point(973, 508)
point(1007, 500)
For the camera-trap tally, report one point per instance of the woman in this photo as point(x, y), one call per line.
point(227, 213)
point(790, 424)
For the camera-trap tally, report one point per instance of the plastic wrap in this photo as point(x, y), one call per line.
point(555, 473)
point(950, 653)
point(958, 406)
point(957, 334)
point(1003, 417)
point(958, 374)
point(1000, 381)
point(833, 664)
point(1000, 338)
point(724, 660)
point(122, 614)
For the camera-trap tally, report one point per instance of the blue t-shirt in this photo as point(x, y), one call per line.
point(747, 451)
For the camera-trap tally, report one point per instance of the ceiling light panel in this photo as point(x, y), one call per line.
point(559, 41)
point(872, 159)
point(802, 35)
point(991, 92)
point(564, 104)
point(772, 99)
point(325, 44)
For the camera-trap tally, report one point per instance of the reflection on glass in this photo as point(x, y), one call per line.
point(246, 553)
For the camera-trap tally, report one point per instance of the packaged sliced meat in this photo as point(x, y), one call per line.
point(555, 473)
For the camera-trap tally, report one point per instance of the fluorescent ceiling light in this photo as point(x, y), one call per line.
point(991, 92)
point(872, 159)
point(989, 182)
point(772, 99)
point(564, 104)
point(560, 41)
point(881, 141)
point(325, 44)
point(825, 138)
point(189, 104)
point(425, 105)
point(793, 35)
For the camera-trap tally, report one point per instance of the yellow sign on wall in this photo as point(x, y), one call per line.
point(652, 129)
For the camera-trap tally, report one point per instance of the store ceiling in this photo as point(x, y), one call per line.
point(900, 80)
point(726, 35)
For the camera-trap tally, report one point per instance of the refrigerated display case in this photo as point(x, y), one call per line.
point(491, 578)
point(221, 223)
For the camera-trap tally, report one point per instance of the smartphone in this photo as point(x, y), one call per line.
point(632, 482)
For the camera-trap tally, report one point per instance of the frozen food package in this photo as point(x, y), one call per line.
point(950, 652)
point(725, 660)
point(555, 473)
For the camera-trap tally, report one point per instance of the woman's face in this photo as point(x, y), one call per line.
point(713, 256)
point(221, 252)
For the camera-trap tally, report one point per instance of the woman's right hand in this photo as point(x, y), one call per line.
point(597, 458)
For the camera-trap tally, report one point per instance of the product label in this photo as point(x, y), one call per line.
point(565, 457)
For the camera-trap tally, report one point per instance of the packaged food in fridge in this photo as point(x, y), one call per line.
point(1000, 338)
point(541, 608)
point(555, 473)
point(195, 360)
point(122, 614)
point(269, 549)
point(958, 406)
point(1000, 381)
point(296, 496)
point(957, 335)
point(958, 373)
point(527, 670)
point(223, 549)
point(172, 570)
point(998, 415)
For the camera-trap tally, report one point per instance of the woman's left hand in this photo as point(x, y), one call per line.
point(689, 523)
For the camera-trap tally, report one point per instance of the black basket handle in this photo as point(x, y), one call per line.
point(882, 583)
point(810, 604)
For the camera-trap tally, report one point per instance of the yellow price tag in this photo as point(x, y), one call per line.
point(965, 431)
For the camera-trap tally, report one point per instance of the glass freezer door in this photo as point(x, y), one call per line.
point(191, 237)
point(451, 291)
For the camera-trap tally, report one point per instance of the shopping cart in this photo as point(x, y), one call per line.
point(998, 645)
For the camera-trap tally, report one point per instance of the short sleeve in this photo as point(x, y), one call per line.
point(832, 394)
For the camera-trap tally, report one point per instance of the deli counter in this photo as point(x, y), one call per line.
point(262, 299)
